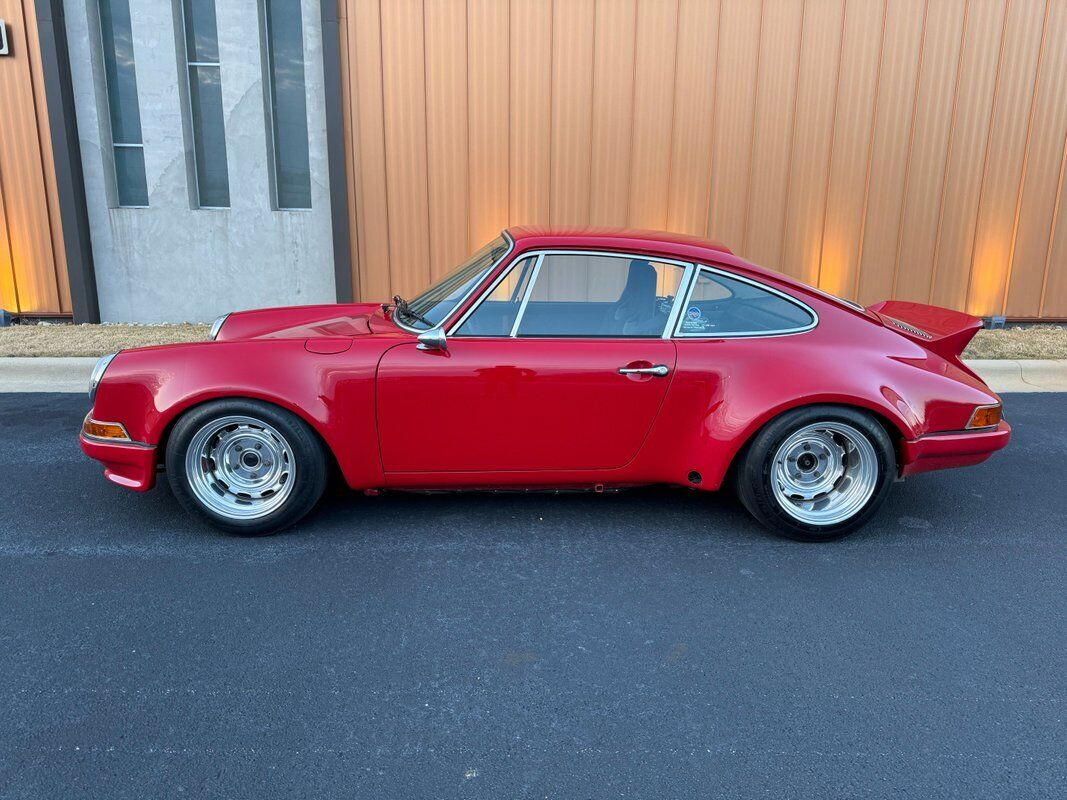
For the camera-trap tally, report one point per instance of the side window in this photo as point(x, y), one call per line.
point(495, 315)
point(722, 306)
point(597, 296)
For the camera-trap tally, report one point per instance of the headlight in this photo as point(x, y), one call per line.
point(216, 326)
point(98, 373)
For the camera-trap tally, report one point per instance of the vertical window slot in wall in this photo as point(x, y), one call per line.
point(287, 104)
point(205, 103)
point(121, 79)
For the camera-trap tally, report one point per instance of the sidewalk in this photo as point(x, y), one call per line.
point(72, 374)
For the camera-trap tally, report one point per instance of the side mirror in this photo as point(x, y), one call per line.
point(433, 339)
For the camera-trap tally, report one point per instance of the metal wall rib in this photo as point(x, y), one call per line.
point(878, 148)
point(33, 275)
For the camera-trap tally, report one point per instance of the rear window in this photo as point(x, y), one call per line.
point(722, 306)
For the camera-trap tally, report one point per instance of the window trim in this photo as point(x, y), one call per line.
point(526, 293)
point(689, 270)
point(678, 334)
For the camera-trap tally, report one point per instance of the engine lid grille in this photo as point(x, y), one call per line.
point(908, 328)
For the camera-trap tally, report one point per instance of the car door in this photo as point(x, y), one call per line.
point(562, 366)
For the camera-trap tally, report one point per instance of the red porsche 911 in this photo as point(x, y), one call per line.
point(550, 360)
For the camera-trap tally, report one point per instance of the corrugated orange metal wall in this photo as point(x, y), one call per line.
point(913, 149)
point(33, 274)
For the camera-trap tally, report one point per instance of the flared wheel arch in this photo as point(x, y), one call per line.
point(176, 414)
point(897, 434)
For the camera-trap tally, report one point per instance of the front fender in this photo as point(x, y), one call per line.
point(147, 389)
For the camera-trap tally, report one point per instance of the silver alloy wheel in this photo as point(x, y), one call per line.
point(824, 473)
point(240, 467)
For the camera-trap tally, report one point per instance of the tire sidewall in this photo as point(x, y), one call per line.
point(755, 477)
point(311, 467)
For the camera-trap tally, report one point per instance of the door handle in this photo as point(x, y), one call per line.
point(660, 370)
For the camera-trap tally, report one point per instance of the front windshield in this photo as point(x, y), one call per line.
point(439, 300)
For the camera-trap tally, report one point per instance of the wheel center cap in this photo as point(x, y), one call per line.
point(807, 462)
point(250, 459)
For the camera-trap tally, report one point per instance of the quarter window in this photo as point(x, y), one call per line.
point(496, 314)
point(594, 295)
point(722, 306)
point(116, 33)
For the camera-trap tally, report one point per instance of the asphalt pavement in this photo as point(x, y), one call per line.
point(647, 644)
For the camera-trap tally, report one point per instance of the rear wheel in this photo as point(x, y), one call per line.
point(245, 466)
point(817, 473)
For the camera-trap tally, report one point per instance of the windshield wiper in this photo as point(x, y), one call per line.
point(402, 307)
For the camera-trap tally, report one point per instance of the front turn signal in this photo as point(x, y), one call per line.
point(985, 417)
point(104, 430)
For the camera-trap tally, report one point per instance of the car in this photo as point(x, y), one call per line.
point(556, 359)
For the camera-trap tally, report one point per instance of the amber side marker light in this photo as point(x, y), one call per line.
point(104, 430)
point(985, 417)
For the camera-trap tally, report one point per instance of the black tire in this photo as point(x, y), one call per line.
point(754, 475)
point(309, 461)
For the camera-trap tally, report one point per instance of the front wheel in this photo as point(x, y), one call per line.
point(817, 473)
point(245, 466)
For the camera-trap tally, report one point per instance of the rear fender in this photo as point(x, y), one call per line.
point(896, 425)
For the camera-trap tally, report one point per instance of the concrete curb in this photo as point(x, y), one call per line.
point(72, 374)
point(1031, 375)
point(45, 374)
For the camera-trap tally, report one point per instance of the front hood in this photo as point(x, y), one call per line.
point(305, 322)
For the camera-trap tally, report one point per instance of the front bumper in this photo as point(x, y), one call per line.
point(130, 465)
point(945, 450)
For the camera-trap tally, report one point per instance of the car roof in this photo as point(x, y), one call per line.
point(659, 241)
point(668, 245)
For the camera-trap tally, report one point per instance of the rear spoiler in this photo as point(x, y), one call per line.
point(942, 330)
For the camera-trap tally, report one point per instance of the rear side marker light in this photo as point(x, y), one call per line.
point(985, 417)
point(105, 430)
